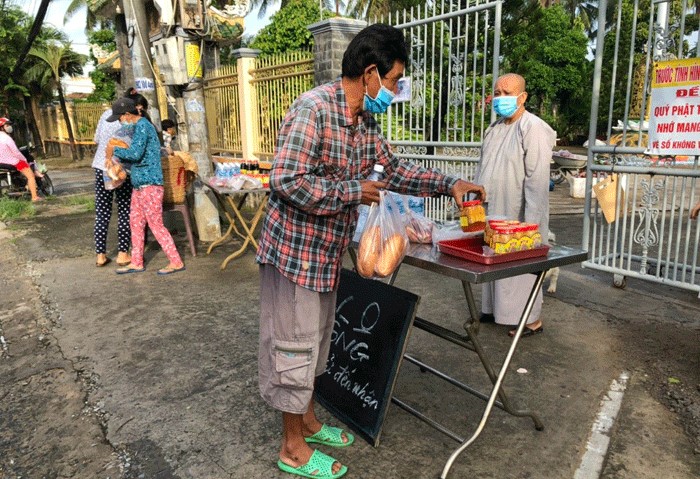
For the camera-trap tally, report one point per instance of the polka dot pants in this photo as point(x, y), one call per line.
point(103, 213)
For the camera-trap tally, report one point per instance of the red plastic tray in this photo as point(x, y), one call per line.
point(471, 249)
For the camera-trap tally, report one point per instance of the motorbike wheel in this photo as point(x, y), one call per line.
point(46, 185)
point(557, 176)
point(4, 186)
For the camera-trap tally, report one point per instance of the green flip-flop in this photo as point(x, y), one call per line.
point(331, 436)
point(320, 466)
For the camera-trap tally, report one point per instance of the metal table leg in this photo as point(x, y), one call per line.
point(501, 374)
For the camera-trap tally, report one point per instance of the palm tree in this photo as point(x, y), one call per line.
point(375, 9)
point(58, 59)
point(92, 7)
point(265, 4)
point(370, 9)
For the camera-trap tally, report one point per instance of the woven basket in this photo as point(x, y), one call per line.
point(174, 179)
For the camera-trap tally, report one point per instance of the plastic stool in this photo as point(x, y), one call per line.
point(185, 211)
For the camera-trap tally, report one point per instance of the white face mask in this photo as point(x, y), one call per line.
point(8, 129)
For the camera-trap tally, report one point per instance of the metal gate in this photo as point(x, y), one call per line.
point(651, 236)
point(454, 50)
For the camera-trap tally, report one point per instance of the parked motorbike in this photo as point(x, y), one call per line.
point(562, 166)
point(14, 184)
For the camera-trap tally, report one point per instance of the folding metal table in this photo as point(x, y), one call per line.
point(232, 210)
point(429, 258)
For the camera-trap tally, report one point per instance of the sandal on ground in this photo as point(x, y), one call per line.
point(527, 331)
point(127, 270)
point(331, 436)
point(124, 263)
point(169, 270)
point(320, 466)
point(104, 263)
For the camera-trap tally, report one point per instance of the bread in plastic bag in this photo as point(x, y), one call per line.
point(419, 229)
point(114, 174)
point(384, 242)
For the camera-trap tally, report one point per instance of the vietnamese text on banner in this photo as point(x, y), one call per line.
point(674, 121)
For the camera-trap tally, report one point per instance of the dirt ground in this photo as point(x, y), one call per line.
point(147, 377)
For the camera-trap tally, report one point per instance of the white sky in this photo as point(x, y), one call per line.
point(75, 28)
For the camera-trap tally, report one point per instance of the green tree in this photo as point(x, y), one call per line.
point(105, 84)
point(39, 89)
point(58, 59)
point(91, 7)
point(551, 55)
point(377, 9)
point(288, 28)
point(617, 85)
point(263, 5)
point(14, 28)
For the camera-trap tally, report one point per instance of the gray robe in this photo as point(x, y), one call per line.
point(514, 170)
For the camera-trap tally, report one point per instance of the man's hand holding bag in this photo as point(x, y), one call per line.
point(384, 243)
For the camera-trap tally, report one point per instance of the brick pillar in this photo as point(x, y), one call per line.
point(331, 38)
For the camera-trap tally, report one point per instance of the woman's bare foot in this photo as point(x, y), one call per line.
point(171, 268)
point(102, 259)
point(123, 258)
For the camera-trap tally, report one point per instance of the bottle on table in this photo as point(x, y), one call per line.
point(376, 175)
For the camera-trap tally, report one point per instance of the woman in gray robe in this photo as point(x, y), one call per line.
point(514, 170)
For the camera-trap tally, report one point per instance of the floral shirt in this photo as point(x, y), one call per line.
point(105, 130)
point(320, 159)
point(144, 155)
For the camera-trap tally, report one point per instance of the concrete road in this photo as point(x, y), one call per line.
point(155, 377)
point(73, 181)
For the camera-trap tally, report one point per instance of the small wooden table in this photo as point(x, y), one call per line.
point(231, 202)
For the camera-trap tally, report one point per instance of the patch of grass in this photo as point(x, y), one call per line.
point(87, 202)
point(15, 208)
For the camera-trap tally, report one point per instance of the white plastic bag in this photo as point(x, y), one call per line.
point(384, 242)
point(452, 230)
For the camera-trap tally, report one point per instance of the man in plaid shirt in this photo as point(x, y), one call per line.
point(327, 145)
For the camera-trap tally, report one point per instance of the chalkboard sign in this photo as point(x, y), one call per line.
point(372, 321)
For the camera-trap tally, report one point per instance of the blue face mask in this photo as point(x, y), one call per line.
point(126, 126)
point(505, 106)
point(381, 102)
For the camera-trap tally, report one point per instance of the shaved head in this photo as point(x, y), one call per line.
point(511, 82)
point(510, 85)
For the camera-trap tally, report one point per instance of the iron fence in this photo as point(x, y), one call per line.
point(651, 237)
point(453, 60)
point(277, 81)
point(83, 117)
point(222, 104)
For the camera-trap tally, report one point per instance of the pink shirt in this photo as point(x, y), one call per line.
point(9, 153)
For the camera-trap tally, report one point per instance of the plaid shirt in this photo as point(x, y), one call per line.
point(315, 186)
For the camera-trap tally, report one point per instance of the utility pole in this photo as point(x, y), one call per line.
point(139, 44)
point(122, 40)
point(205, 210)
point(180, 63)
